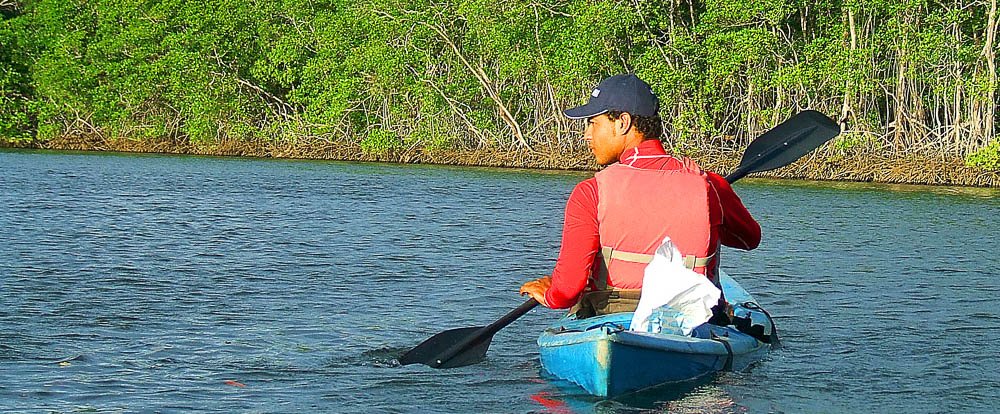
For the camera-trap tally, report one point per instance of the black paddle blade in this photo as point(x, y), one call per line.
point(433, 350)
point(462, 346)
point(787, 142)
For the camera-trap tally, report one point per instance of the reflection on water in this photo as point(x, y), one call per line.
point(704, 395)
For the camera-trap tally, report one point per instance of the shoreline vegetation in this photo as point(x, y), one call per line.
point(481, 82)
point(821, 166)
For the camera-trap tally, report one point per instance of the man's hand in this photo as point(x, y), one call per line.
point(537, 288)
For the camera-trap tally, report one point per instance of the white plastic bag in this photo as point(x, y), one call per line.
point(667, 282)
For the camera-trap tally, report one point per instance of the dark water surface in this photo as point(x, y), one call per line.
point(175, 284)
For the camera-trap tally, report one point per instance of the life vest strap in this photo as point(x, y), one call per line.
point(690, 261)
point(610, 254)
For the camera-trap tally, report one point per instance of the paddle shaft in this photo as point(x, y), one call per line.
point(485, 333)
point(736, 175)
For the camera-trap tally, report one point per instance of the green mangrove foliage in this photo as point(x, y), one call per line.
point(905, 76)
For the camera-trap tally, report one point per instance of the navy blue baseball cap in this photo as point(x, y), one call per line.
point(625, 93)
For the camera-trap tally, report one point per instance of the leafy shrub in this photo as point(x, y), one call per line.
point(852, 141)
point(432, 135)
point(987, 158)
point(380, 142)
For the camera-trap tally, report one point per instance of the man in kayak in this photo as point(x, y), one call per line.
point(615, 221)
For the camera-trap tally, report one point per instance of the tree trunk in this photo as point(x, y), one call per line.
point(845, 110)
point(990, 55)
point(956, 115)
point(694, 20)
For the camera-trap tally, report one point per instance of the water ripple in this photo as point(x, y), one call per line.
point(168, 284)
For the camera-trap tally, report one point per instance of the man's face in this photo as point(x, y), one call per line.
point(602, 138)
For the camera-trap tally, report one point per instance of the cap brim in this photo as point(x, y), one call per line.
point(584, 111)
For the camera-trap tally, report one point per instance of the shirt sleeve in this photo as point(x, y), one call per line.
point(739, 229)
point(580, 244)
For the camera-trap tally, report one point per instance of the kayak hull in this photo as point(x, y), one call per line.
point(603, 357)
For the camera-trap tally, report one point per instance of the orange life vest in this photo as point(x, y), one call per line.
point(637, 208)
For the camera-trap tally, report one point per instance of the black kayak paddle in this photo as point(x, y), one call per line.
point(776, 148)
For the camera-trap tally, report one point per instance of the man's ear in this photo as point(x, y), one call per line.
point(623, 123)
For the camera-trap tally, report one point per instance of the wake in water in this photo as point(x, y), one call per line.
point(385, 357)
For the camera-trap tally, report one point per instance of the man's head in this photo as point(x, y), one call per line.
point(622, 112)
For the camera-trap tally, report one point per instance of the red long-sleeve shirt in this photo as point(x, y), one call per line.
point(731, 224)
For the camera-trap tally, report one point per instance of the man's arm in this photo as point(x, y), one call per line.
point(739, 229)
point(580, 244)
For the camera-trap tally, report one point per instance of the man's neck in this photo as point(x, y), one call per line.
point(633, 139)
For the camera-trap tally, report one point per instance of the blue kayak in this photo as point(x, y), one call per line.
point(601, 355)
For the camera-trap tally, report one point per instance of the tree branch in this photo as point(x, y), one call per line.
point(480, 76)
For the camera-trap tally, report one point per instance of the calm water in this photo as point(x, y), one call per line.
point(173, 284)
